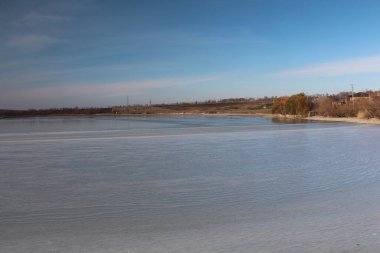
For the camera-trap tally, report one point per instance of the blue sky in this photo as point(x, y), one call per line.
point(96, 53)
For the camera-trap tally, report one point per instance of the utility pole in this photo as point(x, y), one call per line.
point(352, 95)
point(127, 101)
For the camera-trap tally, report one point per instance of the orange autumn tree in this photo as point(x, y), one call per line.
point(279, 105)
point(295, 105)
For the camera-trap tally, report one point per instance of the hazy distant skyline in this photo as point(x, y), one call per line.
point(96, 53)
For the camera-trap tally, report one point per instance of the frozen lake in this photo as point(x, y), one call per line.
point(188, 184)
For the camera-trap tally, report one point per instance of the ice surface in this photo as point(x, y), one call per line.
point(188, 184)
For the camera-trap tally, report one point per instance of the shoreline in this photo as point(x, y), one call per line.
point(372, 121)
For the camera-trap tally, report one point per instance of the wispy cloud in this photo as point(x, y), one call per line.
point(32, 30)
point(105, 90)
point(32, 41)
point(198, 38)
point(14, 76)
point(121, 88)
point(352, 66)
point(34, 18)
point(94, 69)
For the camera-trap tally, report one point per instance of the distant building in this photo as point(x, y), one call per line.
point(360, 96)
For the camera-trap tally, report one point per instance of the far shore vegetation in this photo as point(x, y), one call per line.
point(363, 105)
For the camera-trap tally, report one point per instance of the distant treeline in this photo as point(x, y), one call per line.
point(143, 108)
point(54, 111)
point(344, 104)
point(222, 101)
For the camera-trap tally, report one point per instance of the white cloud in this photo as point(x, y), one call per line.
point(352, 66)
point(32, 41)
